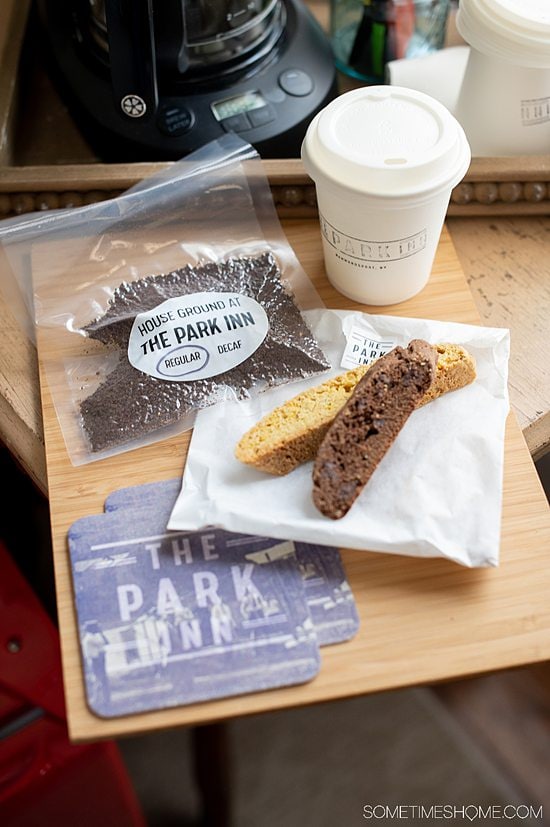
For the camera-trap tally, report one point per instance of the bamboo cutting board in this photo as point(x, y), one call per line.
point(422, 621)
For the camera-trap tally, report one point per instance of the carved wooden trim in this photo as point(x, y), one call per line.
point(492, 186)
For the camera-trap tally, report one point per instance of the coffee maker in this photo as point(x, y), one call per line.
point(155, 79)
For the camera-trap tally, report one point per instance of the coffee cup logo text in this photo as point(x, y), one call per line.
point(535, 111)
point(197, 336)
point(362, 250)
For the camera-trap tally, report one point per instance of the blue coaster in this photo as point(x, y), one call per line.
point(173, 618)
point(328, 593)
point(327, 590)
point(163, 494)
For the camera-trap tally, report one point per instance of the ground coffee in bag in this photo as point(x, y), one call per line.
point(144, 316)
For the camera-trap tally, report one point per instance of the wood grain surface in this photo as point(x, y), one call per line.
point(421, 620)
point(21, 428)
point(506, 264)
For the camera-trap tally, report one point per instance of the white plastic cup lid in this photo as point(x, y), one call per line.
point(388, 142)
point(517, 31)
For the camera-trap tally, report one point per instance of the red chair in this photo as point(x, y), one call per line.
point(44, 779)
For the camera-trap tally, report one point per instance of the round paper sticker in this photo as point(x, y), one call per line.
point(196, 336)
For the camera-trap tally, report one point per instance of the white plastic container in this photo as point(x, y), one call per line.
point(504, 102)
point(384, 160)
point(438, 74)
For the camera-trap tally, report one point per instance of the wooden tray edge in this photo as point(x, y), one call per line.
point(492, 186)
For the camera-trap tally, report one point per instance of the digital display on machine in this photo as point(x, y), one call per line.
point(237, 104)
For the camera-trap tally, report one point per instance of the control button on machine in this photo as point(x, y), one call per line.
point(264, 114)
point(174, 119)
point(296, 82)
point(236, 123)
point(275, 94)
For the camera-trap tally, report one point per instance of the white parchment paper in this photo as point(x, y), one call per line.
point(436, 493)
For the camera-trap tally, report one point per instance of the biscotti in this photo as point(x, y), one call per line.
point(292, 433)
point(368, 424)
point(455, 369)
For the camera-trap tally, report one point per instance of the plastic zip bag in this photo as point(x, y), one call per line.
point(180, 293)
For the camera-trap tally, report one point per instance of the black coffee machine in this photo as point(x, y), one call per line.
point(155, 79)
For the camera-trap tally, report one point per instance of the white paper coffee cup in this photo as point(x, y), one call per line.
point(384, 160)
point(504, 101)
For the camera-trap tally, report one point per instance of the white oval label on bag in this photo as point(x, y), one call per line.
point(196, 336)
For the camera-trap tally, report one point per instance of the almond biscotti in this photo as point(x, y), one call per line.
point(292, 433)
point(455, 369)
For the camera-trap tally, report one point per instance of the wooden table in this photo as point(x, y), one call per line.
point(506, 262)
point(422, 620)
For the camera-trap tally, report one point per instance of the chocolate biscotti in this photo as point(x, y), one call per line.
point(368, 424)
point(292, 433)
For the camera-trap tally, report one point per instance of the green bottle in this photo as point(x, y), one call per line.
point(374, 42)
